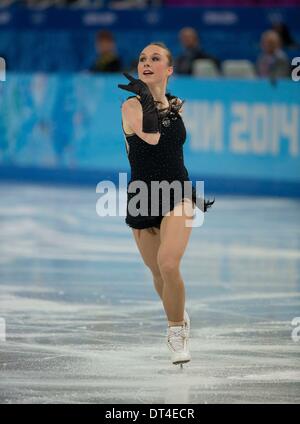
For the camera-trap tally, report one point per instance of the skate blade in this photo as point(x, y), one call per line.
point(183, 361)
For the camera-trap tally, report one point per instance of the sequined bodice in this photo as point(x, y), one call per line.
point(162, 161)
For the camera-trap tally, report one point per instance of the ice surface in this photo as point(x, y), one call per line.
point(85, 325)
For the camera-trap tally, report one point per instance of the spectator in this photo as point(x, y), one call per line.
point(192, 50)
point(273, 61)
point(108, 60)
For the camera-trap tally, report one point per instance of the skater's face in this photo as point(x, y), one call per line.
point(154, 59)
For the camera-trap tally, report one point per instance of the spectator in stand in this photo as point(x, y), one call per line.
point(108, 59)
point(273, 61)
point(190, 42)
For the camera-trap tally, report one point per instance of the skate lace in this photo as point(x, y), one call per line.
point(176, 338)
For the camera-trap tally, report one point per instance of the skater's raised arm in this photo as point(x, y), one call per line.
point(132, 115)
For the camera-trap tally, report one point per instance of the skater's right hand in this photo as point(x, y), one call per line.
point(135, 86)
point(150, 114)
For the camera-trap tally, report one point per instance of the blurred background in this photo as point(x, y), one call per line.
point(60, 105)
point(83, 321)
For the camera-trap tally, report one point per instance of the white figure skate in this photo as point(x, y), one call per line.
point(188, 322)
point(178, 342)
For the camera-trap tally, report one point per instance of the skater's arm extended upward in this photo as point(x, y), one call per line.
point(132, 115)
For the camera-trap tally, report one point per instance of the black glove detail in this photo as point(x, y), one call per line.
point(150, 113)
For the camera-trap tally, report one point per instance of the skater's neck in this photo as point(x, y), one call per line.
point(159, 95)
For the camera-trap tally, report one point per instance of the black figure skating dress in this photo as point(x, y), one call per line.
point(160, 162)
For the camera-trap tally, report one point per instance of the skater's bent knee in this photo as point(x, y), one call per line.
point(168, 265)
point(156, 273)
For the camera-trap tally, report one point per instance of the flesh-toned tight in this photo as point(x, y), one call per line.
point(162, 250)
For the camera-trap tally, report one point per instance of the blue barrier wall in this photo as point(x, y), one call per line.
point(243, 136)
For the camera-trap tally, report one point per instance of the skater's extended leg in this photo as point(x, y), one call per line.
point(174, 236)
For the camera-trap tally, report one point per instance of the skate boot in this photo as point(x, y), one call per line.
point(178, 344)
point(188, 322)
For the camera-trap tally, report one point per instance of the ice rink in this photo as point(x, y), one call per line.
point(85, 325)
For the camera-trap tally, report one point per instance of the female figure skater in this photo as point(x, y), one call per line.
point(154, 134)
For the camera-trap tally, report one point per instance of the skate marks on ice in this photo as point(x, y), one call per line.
point(84, 324)
point(81, 354)
point(62, 353)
